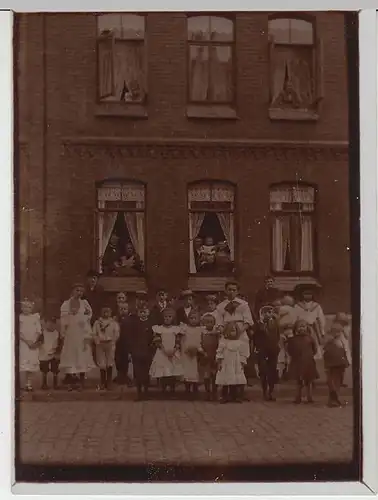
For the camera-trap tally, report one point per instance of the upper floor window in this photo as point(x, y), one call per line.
point(121, 58)
point(295, 65)
point(121, 240)
point(211, 228)
point(293, 243)
point(211, 47)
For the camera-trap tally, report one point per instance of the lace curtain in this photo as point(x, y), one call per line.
point(292, 194)
point(106, 222)
point(226, 221)
point(215, 192)
point(195, 223)
point(121, 192)
point(281, 243)
point(292, 66)
point(211, 75)
point(307, 260)
point(135, 225)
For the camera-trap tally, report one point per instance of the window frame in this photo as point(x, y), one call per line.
point(121, 181)
point(273, 214)
point(142, 42)
point(210, 183)
point(317, 69)
point(209, 43)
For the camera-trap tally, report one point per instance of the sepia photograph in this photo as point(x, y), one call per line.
point(187, 267)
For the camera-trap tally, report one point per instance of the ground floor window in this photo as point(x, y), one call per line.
point(211, 228)
point(293, 229)
point(121, 228)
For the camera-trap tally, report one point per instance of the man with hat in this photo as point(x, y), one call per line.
point(94, 293)
point(156, 314)
point(184, 311)
point(265, 296)
point(141, 300)
point(307, 309)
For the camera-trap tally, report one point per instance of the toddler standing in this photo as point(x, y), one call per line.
point(208, 364)
point(30, 340)
point(335, 362)
point(49, 352)
point(166, 365)
point(191, 337)
point(302, 348)
point(106, 334)
point(232, 355)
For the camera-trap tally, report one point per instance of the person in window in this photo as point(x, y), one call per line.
point(184, 311)
point(207, 254)
point(223, 262)
point(266, 296)
point(111, 256)
point(129, 262)
point(132, 92)
point(158, 308)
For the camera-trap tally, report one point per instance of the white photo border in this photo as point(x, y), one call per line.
point(369, 244)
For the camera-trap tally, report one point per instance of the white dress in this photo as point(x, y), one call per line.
point(346, 343)
point(233, 355)
point(191, 340)
point(30, 330)
point(286, 320)
point(312, 313)
point(76, 331)
point(167, 360)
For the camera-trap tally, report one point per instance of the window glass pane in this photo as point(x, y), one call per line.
point(221, 29)
point(279, 30)
point(301, 32)
point(128, 26)
point(132, 26)
point(199, 28)
point(129, 72)
point(221, 74)
point(199, 73)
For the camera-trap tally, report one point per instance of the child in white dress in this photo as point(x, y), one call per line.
point(345, 321)
point(76, 358)
point(191, 340)
point(232, 355)
point(105, 333)
point(30, 340)
point(166, 365)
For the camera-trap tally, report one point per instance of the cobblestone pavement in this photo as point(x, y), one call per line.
point(181, 432)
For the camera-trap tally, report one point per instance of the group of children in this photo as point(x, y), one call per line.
point(212, 346)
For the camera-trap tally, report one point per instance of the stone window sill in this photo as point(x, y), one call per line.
point(208, 283)
point(121, 110)
point(288, 283)
point(212, 112)
point(124, 284)
point(293, 114)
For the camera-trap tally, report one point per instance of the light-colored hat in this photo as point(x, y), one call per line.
point(212, 298)
point(187, 293)
point(141, 293)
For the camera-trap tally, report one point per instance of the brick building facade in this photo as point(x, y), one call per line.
point(257, 151)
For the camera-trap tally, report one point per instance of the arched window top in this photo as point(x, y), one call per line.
point(210, 29)
point(292, 197)
point(209, 193)
point(291, 30)
point(132, 192)
point(125, 26)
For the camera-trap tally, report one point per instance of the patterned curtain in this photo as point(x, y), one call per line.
point(307, 263)
point(106, 222)
point(281, 244)
point(195, 223)
point(226, 221)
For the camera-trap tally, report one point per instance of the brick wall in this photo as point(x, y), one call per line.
point(68, 186)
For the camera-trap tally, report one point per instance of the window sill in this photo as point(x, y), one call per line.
point(207, 283)
point(293, 114)
point(288, 283)
point(124, 284)
point(121, 110)
point(212, 112)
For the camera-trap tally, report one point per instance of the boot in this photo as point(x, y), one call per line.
point(207, 389)
point(187, 390)
point(139, 396)
point(240, 394)
point(270, 392)
point(309, 393)
point(109, 376)
point(81, 381)
point(195, 390)
point(44, 382)
point(55, 381)
point(333, 400)
point(102, 380)
point(233, 393)
point(225, 395)
point(298, 398)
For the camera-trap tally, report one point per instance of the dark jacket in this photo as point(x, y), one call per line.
point(181, 316)
point(95, 297)
point(264, 297)
point(266, 337)
point(112, 255)
point(334, 356)
point(140, 338)
point(156, 315)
